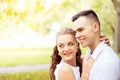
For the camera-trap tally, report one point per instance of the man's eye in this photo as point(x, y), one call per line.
point(79, 30)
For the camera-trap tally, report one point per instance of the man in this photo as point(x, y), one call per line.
point(87, 27)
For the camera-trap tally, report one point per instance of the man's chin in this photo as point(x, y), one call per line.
point(83, 46)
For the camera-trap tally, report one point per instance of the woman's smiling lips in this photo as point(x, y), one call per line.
point(67, 54)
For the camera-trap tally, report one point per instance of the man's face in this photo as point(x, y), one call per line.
point(84, 31)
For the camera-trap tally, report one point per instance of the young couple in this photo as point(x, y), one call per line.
point(100, 62)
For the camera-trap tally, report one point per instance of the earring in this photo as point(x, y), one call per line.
point(59, 54)
point(76, 51)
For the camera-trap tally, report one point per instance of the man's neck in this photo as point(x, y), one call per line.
point(94, 45)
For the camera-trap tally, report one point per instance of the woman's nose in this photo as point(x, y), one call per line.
point(66, 48)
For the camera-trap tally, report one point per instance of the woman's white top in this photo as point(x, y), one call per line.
point(75, 70)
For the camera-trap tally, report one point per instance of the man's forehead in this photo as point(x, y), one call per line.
point(80, 23)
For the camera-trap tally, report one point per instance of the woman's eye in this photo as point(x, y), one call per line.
point(61, 46)
point(70, 44)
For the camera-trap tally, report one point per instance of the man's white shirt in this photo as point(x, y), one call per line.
point(107, 63)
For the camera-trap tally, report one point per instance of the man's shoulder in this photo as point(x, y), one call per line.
point(108, 49)
point(109, 54)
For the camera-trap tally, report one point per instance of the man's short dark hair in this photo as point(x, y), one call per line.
point(90, 14)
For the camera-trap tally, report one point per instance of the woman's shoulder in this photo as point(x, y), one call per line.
point(65, 67)
point(66, 72)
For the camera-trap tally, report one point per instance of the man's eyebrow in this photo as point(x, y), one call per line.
point(80, 28)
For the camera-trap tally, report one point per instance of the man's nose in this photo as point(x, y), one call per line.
point(77, 35)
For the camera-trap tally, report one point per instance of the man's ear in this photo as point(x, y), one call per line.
point(96, 27)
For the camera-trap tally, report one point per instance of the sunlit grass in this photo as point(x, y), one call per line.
point(25, 57)
point(41, 75)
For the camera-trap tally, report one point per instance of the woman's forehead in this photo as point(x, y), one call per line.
point(65, 38)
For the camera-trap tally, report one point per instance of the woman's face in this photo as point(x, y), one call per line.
point(67, 47)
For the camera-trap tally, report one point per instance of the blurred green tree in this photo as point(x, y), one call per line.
point(18, 16)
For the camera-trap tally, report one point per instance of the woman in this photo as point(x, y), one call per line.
point(66, 62)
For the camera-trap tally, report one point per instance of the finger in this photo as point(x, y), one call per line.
point(82, 57)
point(88, 60)
point(104, 38)
point(107, 42)
point(91, 60)
point(101, 36)
point(86, 57)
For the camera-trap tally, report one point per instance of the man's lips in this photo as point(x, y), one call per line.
point(81, 39)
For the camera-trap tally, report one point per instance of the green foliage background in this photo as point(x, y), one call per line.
point(39, 16)
point(35, 15)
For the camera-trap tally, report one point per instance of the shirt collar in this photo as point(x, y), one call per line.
point(97, 50)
